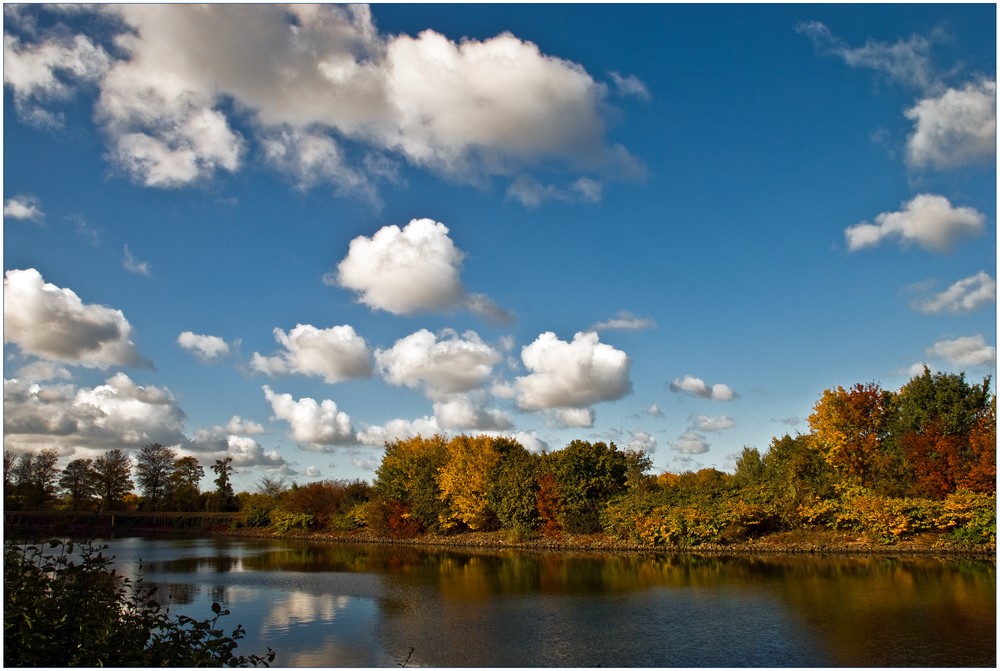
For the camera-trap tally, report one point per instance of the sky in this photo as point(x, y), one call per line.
point(288, 235)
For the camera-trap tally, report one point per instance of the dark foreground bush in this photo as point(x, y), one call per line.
point(63, 611)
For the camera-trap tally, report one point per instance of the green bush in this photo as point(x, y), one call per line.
point(283, 520)
point(80, 612)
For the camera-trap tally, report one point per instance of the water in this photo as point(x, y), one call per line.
point(363, 606)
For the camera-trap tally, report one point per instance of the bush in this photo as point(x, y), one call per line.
point(80, 612)
point(283, 520)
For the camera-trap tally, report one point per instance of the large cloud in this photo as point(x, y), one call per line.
point(955, 128)
point(442, 364)
point(47, 321)
point(411, 270)
point(572, 374)
point(964, 295)
point(335, 354)
point(927, 220)
point(118, 414)
point(327, 94)
point(318, 425)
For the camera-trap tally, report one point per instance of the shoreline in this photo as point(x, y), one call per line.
point(821, 542)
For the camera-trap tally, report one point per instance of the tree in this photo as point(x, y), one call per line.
point(35, 478)
point(223, 498)
point(851, 428)
point(153, 470)
point(408, 477)
point(183, 490)
point(9, 460)
point(78, 482)
point(465, 481)
point(587, 475)
point(514, 494)
point(112, 476)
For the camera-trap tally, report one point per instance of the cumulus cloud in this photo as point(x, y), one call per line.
point(335, 354)
point(690, 442)
point(654, 410)
point(411, 270)
point(927, 220)
point(319, 425)
point(23, 207)
point(442, 364)
point(205, 347)
point(134, 265)
point(52, 323)
point(580, 418)
point(695, 386)
point(964, 295)
point(640, 440)
point(624, 321)
point(712, 424)
point(905, 62)
point(399, 429)
point(572, 374)
point(246, 452)
point(464, 413)
point(117, 414)
point(322, 90)
point(965, 351)
point(955, 128)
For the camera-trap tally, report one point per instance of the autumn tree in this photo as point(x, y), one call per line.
point(79, 483)
point(153, 470)
point(112, 478)
point(465, 481)
point(851, 428)
point(407, 481)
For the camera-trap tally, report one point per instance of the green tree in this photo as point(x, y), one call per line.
point(112, 477)
point(183, 489)
point(223, 499)
point(514, 494)
point(78, 482)
point(153, 471)
point(35, 477)
point(406, 481)
point(587, 475)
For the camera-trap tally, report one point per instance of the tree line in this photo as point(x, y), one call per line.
point(885, 463)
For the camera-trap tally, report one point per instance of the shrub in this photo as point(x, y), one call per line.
point(80, 612)
point(283, 520)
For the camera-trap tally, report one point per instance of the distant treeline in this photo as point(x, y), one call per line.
point(889, 464)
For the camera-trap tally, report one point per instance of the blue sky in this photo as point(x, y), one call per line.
point(288, 235)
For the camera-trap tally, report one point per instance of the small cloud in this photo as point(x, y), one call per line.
point(712, 424)
point(205, 347)
point(134, 265)
point(312, 472)
point(695, 386)
point(630, 86)
point(624, 321)
point(317, 425)
point(335, 354)
point(640, 440)
point(690, 442)
point(965, 351)
point(927, 220)
point(964, 295)
point(956, 128)
point(654, 411)
point(24, 207)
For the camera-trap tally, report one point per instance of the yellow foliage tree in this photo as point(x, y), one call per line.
point(465, 481)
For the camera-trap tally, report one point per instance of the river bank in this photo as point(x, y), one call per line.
point(802, 541)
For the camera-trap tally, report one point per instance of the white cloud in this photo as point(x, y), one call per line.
point(442, 364)
point(964, 295)
point(322, 82)
point(624, 321)
point(712, 424)
point(690, 442)
point(654, 410)
point(118, 414)
point(46, 321)
point(695, 386)
point(318, 425)
point(240, 426)
point(580, 418)
point(411, 270)
point(927, 220)
point(965, 351)
point(572, 374)
point(335, 354)
point(246, 452)
point(205, 347)
point(462, 412)
point(630, 85)
point(399, 429)
point(640, 440)
point(134, 265)
point(906, 62)
point(23, 207)
point(43, 73)
point(955, 128)
point(531, 193)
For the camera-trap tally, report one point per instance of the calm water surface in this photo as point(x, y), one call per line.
point(364, 605)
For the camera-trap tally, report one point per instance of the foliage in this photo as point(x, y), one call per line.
point(69, 611)
point(514, 494)
point(78, 481)
point(34, 479)
point(223, 499)
point(408, 476)
point(153, 470)
point(587, 475)
point(465, 482)
point(284, 520)
point(112, 475)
